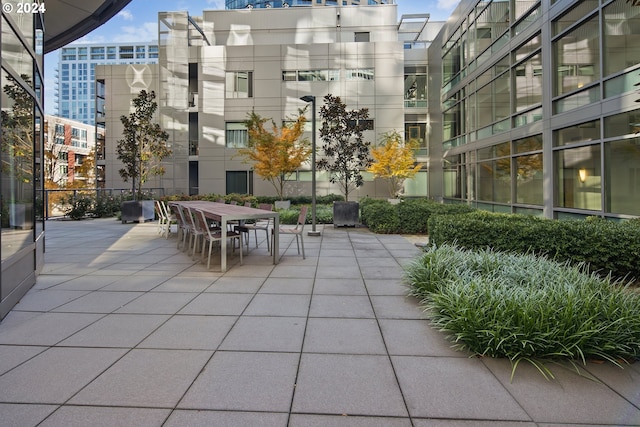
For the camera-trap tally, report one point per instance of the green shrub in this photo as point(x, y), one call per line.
point(324, 215)
point(605, 246)
point(409, 217)
point(106, 205)
point(78, 206)
point(525, 307)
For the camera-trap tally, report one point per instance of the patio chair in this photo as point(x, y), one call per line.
point(166, 218)
point(209, 236)
point(183, 228)
point(194, 232)
point(297, 230)
point(260, 224)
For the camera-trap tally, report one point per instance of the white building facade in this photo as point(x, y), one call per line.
point(215, 69)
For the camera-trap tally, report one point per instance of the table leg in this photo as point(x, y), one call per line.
point(276, 239)
point(223, 245)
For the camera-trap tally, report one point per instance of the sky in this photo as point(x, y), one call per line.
point(138, 22)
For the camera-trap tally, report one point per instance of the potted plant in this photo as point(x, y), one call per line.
point(394, 161)
point(345, 154)
point(141, 152)
point(278, 152)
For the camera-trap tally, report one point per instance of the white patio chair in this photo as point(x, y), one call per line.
point(297, 230)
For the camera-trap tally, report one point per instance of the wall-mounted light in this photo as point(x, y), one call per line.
point(582, 174)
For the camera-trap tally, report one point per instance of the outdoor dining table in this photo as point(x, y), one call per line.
point(223, 213)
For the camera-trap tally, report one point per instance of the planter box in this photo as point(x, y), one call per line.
point(346, 214)
point(282, 204)
point(137, 210)
point(21, 216)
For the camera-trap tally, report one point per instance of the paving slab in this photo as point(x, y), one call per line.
point(347, 384)
point(570, 398)
point(96, 416)
point(448, 387)
point(145, 378)
point(244, 381)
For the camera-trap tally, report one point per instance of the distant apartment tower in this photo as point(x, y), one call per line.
point(75, 78)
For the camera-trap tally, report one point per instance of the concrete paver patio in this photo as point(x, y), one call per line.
point(123, 329)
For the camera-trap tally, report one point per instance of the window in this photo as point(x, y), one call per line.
point(361, 37)
point(578, 178)
point(236, 135)
point(239, 182)
point(360, 74)
point(239, 84)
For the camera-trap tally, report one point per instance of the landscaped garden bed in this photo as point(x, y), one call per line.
point(526, 307)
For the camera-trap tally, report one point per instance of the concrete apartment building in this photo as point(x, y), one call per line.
point(215, 68)
point(75, 76)
point(524, 112)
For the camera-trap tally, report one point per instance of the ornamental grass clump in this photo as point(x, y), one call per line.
point(526, 307)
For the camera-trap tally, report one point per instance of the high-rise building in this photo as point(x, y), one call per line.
point(75, 79)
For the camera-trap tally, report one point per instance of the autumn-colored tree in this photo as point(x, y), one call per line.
point(394, 161)
point(144, 145)
point(277, 152)
point(346, 153)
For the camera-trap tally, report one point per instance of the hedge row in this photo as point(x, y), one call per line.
point(605, 246)
point(408, 217)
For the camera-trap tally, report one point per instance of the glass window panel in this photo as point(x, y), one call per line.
point(239, 84)
point(622, 169)
point(583, 132)
point(622, 124)
point(578, 57)
point(579, 178)
point(483, 99)
point(494, 181)
point(529, 179)
point(453, 177)
point(528, 20)
point(453, 122)
point(236, 135)
point(621, 36)
point(577, 100)
point(525, 145)
point(16, 159)
point(576, 13)
point(417, 186)
point(528, 85)
point(501, 97)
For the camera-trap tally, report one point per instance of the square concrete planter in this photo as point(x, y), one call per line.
point(137, 211)
point(346, 214)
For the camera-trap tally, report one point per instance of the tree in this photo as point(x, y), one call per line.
point(17, 132)
point(394, 161)
point(144, 145)
point(345, 151)
point(278, 152)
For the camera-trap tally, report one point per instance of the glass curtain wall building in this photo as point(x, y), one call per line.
point(21, 105)
point(538, 111)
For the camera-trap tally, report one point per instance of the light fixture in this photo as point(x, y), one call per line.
point(582, 174)
point(312, 100)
